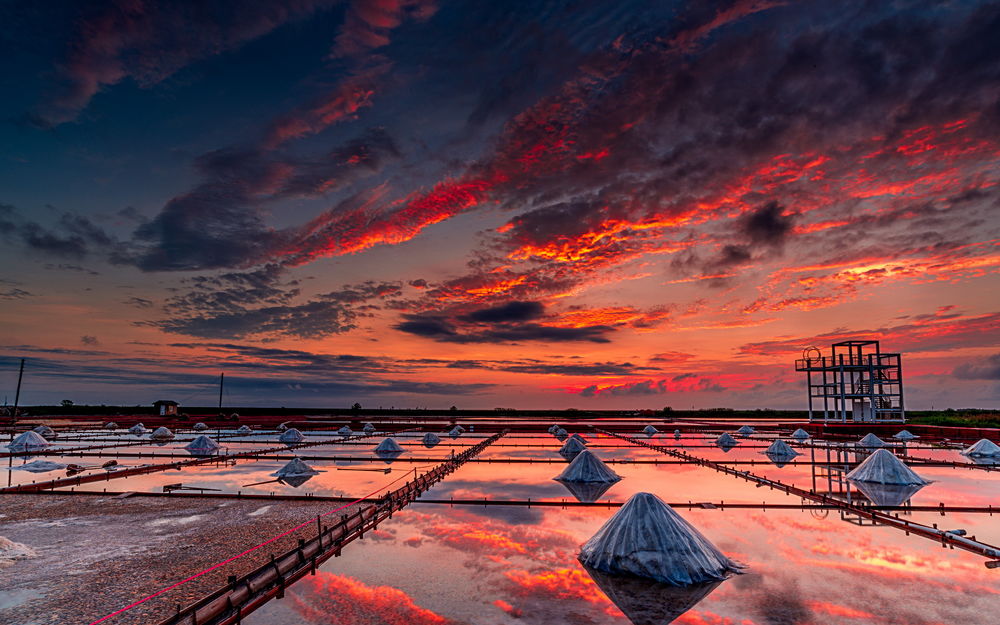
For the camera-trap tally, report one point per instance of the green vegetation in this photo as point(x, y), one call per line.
point(964, 418)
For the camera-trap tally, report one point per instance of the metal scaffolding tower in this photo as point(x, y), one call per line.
point(856, 382)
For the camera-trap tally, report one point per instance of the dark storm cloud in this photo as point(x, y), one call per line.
point(71, 236)
point(257, 303)
point(987, 368)
point(509, 312)
point(767, 224)
point(218, 224)
point(512, 322)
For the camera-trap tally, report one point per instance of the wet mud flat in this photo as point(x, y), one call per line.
point(96, 554)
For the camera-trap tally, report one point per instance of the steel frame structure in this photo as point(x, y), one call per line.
point(857, 383)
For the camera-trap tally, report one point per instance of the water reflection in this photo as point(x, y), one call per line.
point(887, 494)
point(646, 602)
point(587, 492)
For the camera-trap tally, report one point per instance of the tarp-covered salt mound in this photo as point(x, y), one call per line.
point(202, 446)
point(200, 427)
point(726, 441)
point(110, 425)
point(28, 440)
point(39, 466)
point(800, 434)
point(431, 439)
point(553, 428)
point(587, 467)
point(780, 448)
point(572, 447)
point(579, 438)
point(649, 431)
point(455, 432)
point(983, 448)
point(904, 435)
point(647, 538)
point(368, 427)
point(162, 434)
point(870, 440)
point(46, 431)
point(345, 431)
point(677, 434)
point(560, 433)
point(884, 468)
point(388, 446)
point(745, 430)
point(295, 473)
point(291, 435)
point(244, 429)
point(138, 429)
point(648, 602)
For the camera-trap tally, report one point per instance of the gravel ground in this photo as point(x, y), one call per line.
point(96, 554)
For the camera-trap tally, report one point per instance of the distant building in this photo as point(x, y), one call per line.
point(857, 383)
point(166, 407)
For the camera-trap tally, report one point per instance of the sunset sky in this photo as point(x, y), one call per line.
point(583, 204)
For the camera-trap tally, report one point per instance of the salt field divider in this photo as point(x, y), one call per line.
point(947, 539)
point(242, 595)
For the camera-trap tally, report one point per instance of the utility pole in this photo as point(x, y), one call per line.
point(17, 394)
point(222, 378)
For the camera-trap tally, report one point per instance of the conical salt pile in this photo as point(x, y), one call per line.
point(647, 538)
point(202, 446)
point(431, 439)
point(781, 449)
point(389, 446)
point(110, 425)
point(295, 467)
point(884, 468)
point(295, 473)
point(138, 429)
point(368, 428)
point(983, 448)
point(870, 440)
point(345, 431)
point(46, 431)
point(800, 434)
point(587, 467)
point(677, 434)
point(244, 429)
point(28, 440)
point(726, 441)
point(579, 438)
point(649, 430)
point(746, 430)
point(553, 428)
point(905, 435)
point(291, 435)
point(161, 434)
point(560, 433)
point(39, 466)
point(572, 447)
point(200, 427)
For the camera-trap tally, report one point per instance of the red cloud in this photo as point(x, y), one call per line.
point(338, 598)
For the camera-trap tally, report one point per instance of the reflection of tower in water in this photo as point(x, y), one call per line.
point(831, 462)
